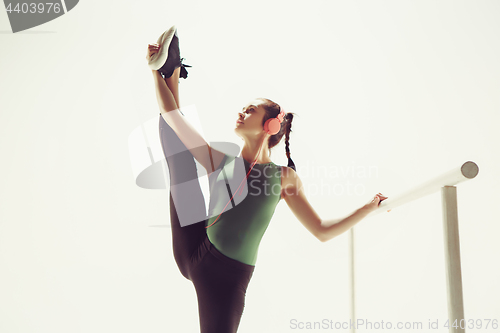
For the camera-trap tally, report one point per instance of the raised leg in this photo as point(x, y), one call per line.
point(173, 84)
point(167, 97)
point(182, 167)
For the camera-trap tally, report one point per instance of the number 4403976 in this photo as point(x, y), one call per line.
point(34, 8)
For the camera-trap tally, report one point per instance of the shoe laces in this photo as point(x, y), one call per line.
point(183, 72)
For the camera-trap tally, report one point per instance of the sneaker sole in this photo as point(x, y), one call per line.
point(157, 60)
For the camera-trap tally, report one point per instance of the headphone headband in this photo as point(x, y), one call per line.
point(281, 115)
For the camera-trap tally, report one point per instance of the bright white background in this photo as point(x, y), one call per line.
point(409, 87)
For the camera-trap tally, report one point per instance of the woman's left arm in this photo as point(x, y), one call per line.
point(207, 156)
point(323, 230)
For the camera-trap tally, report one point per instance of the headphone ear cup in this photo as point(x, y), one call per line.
point(272, 126)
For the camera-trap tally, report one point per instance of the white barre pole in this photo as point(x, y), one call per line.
point(466, 171)
point(452, 260)
point(352, 278)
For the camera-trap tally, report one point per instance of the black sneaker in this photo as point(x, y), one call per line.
point(174, 59)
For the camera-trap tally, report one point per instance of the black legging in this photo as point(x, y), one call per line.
point(220, 282)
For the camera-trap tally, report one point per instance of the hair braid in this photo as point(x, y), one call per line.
point(272, 110)
point(288, 129)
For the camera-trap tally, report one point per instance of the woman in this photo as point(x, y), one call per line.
point(219, 254)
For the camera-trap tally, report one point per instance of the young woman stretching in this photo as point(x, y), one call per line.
point(218, 253)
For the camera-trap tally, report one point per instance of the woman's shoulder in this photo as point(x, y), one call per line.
point(287, 175)
point(287, 170)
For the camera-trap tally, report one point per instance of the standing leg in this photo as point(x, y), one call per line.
point(221, 284)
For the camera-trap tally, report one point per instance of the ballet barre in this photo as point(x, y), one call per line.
point(446, 184)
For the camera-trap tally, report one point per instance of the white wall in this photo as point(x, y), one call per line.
point(409, 87)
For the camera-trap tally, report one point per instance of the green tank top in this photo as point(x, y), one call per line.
point(239, 229)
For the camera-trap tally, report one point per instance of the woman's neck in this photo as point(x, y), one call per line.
point(250, 150)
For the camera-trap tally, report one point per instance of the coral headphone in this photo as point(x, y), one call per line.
point(272, 126)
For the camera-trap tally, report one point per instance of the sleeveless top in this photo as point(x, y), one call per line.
point(239, 229)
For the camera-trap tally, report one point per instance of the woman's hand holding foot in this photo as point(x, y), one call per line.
point(152, 49)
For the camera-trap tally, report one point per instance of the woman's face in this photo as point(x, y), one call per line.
point(249, 120)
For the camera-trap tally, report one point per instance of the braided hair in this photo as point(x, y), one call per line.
point(272, 110)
